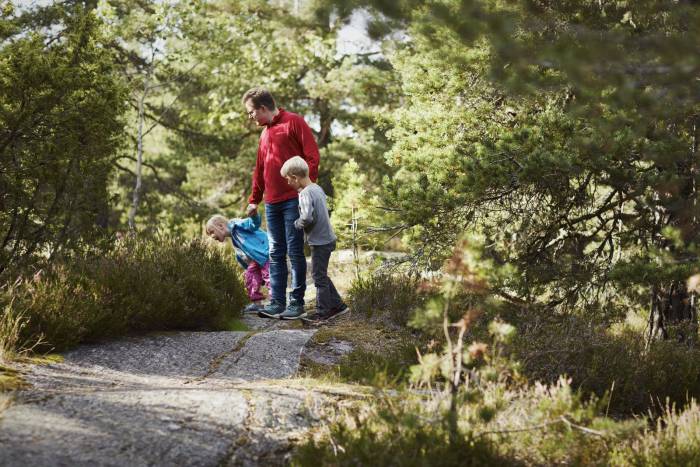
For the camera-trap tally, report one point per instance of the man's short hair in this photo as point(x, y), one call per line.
point(259, 97)
point(216, 219)
point(295, 166)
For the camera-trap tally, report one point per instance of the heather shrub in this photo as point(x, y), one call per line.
point(392, 295)
point(637, 376)
point(141, 285)
point(400, 431)
point(674, 440)
point(492, 417)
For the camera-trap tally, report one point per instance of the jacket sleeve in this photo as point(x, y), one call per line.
point(250, 224)
point(309, 148)
point(256, 194)
point(306, 212)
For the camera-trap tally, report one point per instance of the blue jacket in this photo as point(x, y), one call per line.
point(247, 236)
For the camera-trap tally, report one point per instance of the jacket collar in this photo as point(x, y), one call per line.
point(276, 118)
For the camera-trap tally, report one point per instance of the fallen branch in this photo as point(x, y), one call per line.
point(541, 426)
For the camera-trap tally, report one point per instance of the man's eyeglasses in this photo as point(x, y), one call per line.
point(251, 113)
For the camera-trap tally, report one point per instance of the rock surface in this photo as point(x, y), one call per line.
point(328, 353)
point(187, 398)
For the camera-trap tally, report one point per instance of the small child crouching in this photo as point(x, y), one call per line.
point(252, 252)
point(314, 220)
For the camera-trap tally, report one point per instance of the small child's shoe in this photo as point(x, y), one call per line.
point(253, 307)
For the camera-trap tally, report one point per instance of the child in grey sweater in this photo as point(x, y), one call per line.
point(314, 220)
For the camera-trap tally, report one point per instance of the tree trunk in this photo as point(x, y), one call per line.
point(139, 161)
point(674, 308)
point(673, 313)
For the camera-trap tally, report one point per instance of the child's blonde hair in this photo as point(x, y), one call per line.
point(216, 220)
point(295, 166)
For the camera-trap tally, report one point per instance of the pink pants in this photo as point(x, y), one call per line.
point(255, 276)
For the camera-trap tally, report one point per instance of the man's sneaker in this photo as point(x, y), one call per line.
point(253, 307)
point(335, 312)
point(320, 317)
point(316, 318)
point(272, 310)
point(293, 311)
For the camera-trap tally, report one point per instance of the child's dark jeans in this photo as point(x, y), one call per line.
point(327, 298)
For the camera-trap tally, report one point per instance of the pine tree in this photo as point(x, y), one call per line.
point(565, 132)
point(61, 107)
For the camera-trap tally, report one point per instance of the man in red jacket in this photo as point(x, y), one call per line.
point(285, 135)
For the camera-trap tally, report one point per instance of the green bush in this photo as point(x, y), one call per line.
point(675, 441)
point(392, 294)
point(142, 285)
point(554, 424)
point(393, 431)
point(547, 345)
point(499, 423)
point(638, 378)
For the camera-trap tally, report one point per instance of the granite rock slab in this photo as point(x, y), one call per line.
point(170, 399)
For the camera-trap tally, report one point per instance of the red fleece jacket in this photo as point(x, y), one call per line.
point(288, 135)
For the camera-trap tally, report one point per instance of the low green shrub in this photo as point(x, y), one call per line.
point(399, 431)
point(598, 361)
point(141, 285)
point(674, 441)
point(392, 294)
point(501, 420)
point(553, 424)
point(639, 378)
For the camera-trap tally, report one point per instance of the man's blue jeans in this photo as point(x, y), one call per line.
point(285, 240)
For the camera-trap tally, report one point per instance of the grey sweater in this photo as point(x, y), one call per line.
point(313, 216)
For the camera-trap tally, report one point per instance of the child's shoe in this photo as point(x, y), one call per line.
point(253, 307)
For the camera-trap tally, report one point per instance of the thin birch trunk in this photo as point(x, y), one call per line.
point(139, 161)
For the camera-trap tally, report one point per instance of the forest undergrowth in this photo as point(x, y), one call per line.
point(531, 388)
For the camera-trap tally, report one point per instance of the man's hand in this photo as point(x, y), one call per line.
point(251, 210)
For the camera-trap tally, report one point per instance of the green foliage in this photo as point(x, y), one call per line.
point(141, 285)
point(395, 296)
point(61, 108)
point(499, 423)
point(352, 200)
point(478, 410)
point(675, 440)
point(391, 431)
point(11, 323)
point(566, 134)
point(638, 377)
point(202, 157)
point(556, 425)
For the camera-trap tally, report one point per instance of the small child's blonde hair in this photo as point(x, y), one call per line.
point(216, 220)
point(295, 166)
